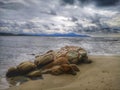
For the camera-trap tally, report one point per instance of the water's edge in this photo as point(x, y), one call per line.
point(16, 49)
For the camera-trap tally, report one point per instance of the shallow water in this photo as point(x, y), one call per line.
point(15, 49)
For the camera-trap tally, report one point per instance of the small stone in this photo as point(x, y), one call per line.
point(36, 73)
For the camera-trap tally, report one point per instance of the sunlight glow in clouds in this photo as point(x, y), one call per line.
point(63, 20)
point(98, 11)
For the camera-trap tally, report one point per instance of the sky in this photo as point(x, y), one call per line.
point(60, 16)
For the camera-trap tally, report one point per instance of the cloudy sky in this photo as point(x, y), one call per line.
point(60, 16)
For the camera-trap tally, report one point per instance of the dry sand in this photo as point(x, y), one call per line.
point(102, 74)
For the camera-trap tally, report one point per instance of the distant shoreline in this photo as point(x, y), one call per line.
point(46, 35)
point(64, 35)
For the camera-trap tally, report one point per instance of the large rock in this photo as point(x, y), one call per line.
point(56, 62)
point(74, 54)
point(56, 70)
point(67, 54)
point(60, 61)
point(12, 71)
point(45, 59)
point(26, 67)
point(69, 68)
point(62, 69)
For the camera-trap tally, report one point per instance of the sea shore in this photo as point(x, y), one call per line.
point(102, 74)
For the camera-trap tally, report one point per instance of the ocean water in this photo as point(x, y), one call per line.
point(16, 49)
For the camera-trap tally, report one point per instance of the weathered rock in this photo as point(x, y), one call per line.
point(76, 55)
point(61, 53)
point(62, 69)
point(42, 60)
point(69, 69)
point(72, 56)
point(82, 52)
point(60, 61)
point(26, 67)
point(36, 73)
point(55, 70)
point(74, 66)
point(56, 62)
point(12, 71)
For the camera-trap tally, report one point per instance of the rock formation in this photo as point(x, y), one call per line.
point(63, 61)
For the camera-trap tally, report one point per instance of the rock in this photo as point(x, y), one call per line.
point(62, 69)
point(36, 73)
point(72, 56)
point(83, 58)
point(68, 69)
point(61, 60)
point(56, 62)
point(44, 59)
point(82, 52)
point(55, 70)
point(74, 66)
point(61, 53)
point(26, 67)
point(12, 71)
point(17, 80)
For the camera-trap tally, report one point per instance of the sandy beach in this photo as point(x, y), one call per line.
point(102, 74)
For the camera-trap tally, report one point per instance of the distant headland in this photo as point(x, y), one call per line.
point(46, 35)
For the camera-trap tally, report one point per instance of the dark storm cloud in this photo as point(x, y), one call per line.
point(98, 2)
point(68, 1)
point(10, 5)
point(106, 2)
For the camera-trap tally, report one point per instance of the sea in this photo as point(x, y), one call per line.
point(16, 49)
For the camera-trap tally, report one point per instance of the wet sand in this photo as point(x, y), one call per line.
point(102, 74)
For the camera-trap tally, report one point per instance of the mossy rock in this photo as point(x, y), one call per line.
point(72, 56)
point(82, 52)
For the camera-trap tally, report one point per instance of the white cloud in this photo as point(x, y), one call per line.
point(115, 21)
